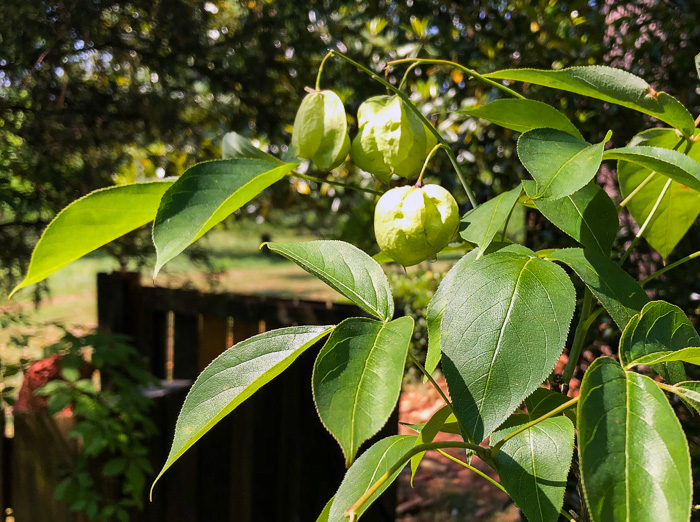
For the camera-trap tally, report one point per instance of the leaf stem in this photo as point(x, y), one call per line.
point(579, 337)
point(425, 163)
point(475, 470)
point(641, 230)
point(320, 69)
point(351, 512)
point(431, 128)
point(639, 187)
point(565, 514)
point(405, 75)
point(439, 390)
point(495, 449)
point(670, 267)
point(470, 72)
point(337, 183)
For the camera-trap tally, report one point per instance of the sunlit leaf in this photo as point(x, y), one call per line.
point(204, 196)
point(503, 331)
point(610, 85)
point(344, 268)
point(633, 455)
point(91, 222)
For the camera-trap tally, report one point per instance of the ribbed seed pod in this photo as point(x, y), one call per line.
point(321, 130)
point(391, 139)
point(413, 224)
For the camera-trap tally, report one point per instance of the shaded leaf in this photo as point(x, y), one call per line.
point(670, 163)
point(633, 454)
point(371, 465)
point(503, 331)
point(91, 222)
point(588, 215)
point(480, 225)
point(436, 309)
point(533, 466)
point(689, 391)
point(660, 327)
point(621, 295)
point(427, 434)
point(560, 163)
point(344, 268)
point(610, 85)
point(236, 146)
point(680, 205)
point(523, 115)
point(542, 401)
point(357, 378)
point(204, 196)
point(233, 377)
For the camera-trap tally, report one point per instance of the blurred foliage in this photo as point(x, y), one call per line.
point(94, 92)
point(113, 424)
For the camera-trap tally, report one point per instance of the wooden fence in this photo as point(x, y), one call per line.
point(271, 459)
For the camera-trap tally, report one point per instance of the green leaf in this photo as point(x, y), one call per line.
point(533, 466)
point(90, 222)
point(542, 401)
point(233, 377)
point(690, 355)
point(323, 517)
point(344, 268)
point(560, 163)
point(680, 206)
point(236, 146)
point(449, 426)
point(503, 331)
point(523, 115)
point(610, 85)
point(357, 378)
point(633, 454)
point(480, 225)
point(670, 163)
point(621, 295)
point(436, 308)
point(204, 196)
point(114, 467)
point(689, 391)
point(427, 434)
point(371, 465)
point(588, 215)
point(659, 327)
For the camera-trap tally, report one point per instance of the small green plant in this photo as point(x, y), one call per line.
point(112, 424)
point(502, 316)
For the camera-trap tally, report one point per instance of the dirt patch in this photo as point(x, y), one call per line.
point(443, 490)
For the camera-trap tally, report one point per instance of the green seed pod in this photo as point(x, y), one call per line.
point(412, 224)
point(321, 130)
point(391, 139)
